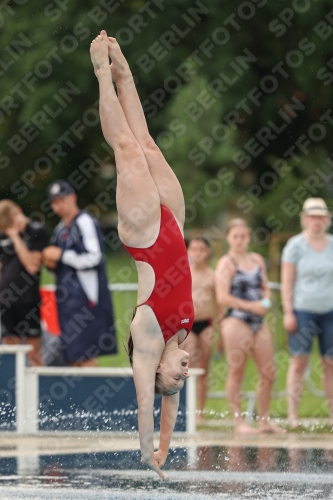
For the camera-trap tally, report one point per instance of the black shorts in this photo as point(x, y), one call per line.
point(200, 326)
point(20, 320)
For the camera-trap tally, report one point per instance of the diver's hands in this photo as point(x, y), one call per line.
point(156, 462)
point(154, 465)
point(160, 457)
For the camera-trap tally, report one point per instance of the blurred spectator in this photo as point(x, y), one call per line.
point(83, 298)
point(307, 291)
point(21, 244)
point(199, 342)
point(241, 286)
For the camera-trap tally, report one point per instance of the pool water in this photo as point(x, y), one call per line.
point(203, 472)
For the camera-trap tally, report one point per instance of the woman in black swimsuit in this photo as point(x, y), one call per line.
point(242, 287)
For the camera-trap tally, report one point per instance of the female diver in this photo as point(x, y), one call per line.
point(151, 214)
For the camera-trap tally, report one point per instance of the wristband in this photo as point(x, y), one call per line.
point(266, 303)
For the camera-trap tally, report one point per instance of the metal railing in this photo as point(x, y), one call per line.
point(26, 387)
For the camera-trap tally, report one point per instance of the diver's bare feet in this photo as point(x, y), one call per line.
point(244, 428)
point(99, 53)
point(119, 66)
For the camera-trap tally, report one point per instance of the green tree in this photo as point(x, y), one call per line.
point(269, 67)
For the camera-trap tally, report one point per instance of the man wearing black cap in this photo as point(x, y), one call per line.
point(83, 298)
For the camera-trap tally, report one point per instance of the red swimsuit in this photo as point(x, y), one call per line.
point(171, 298)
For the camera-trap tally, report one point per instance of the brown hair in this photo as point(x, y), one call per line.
point(129, 348)
point(237, 222)
point(198, 238)
point(6, 214)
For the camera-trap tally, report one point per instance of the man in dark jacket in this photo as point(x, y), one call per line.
point(83, 298)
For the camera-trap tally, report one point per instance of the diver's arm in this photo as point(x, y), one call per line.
point(144, 373)
point(169, 412)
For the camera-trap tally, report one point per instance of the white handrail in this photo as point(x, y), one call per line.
point(50, 371)
point(113, 287)
point(13, 349)
point(133, 287)
point(30, 397)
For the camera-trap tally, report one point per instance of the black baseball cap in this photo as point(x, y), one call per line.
point(59, 188)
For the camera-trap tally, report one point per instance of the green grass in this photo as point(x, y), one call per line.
point(121, 269)
point(310, 407)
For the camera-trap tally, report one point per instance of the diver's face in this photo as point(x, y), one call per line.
point(174, 370)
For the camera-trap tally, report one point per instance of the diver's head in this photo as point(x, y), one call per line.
point(171, 372)
point(172, 369)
